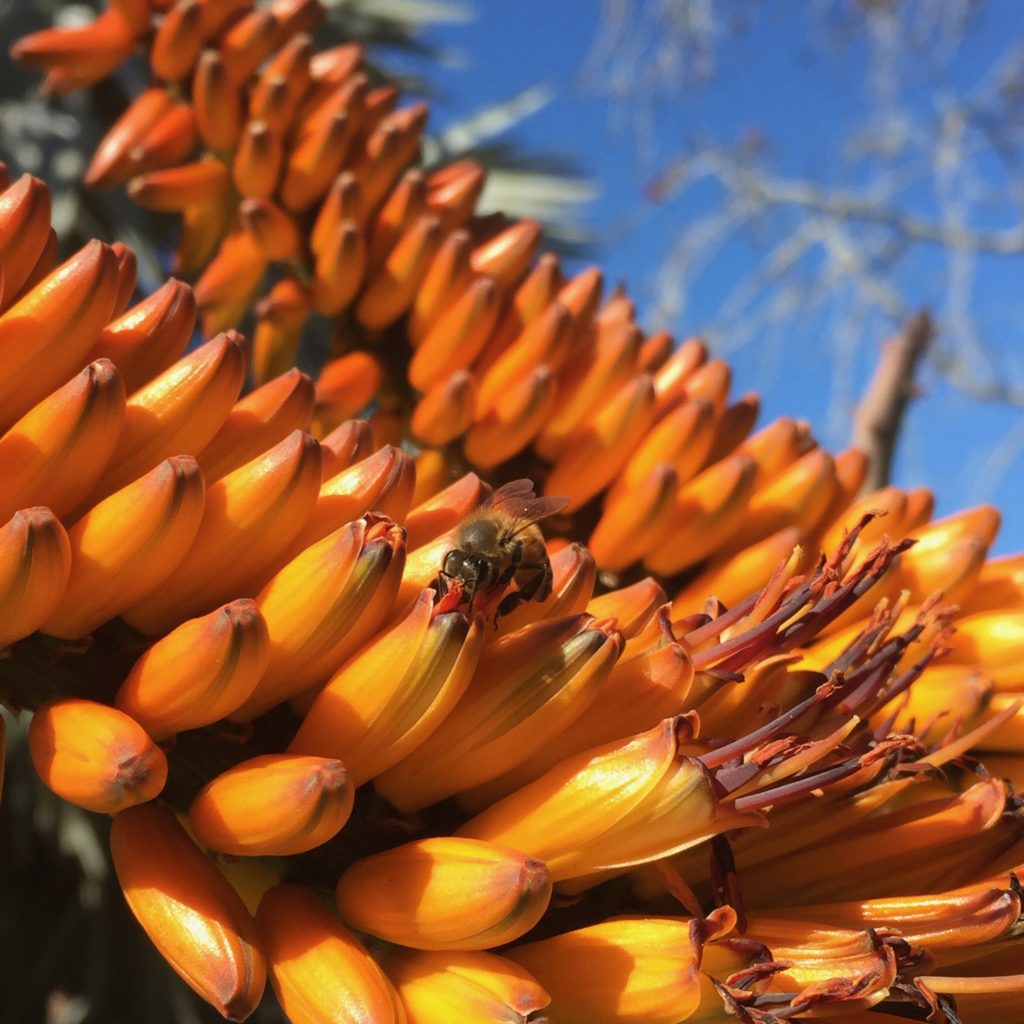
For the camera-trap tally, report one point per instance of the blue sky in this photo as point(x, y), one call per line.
point(804, 98)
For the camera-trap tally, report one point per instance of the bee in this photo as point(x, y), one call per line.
point(499, 544)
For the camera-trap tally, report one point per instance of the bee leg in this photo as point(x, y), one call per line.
point(514, 566)
point(538, 587)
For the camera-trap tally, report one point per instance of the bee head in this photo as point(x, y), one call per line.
point(463, 566)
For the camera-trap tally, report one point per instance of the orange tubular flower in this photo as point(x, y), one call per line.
point(385, 701)
point(456, 987)
point(273, 805)
point(199, 673)
point(188, 909)
point(445, 893)
point(269, 498)
point(24, 232)
point(319, 969)
point(35, 564)
point(95, 756)
point(126, 546)
point(527, 688)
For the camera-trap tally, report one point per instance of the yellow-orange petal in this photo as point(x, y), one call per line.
point(274, 805)
point(95, 756)
point(189, 910)
point(199, 673)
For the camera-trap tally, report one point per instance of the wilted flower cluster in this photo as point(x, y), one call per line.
point(712, 775)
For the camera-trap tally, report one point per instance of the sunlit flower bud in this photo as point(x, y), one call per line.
point(35, 563)
point(217, 102)
point(343, 203)
point(644, 970)
point(199, 673)
point(251, 518)
point(445, 893)
point(24, 230)
point(55, 453)
point(448, 277)
point(272, 230)
point(514, 420)
point(632, 607)
point(889, 505)
point(319, 969)
point(708, 510)
point(457, 336)
point(589, 379)
point(128, 545)
point(127, 277)
point(350, 442)
point(528, 688)
point(188, 909)
point(257, 162)
point(655, 352)
point(464, 987)
point(177, 41)
point(95, 756)
point(382, 703)
point(179, 411)
point(544, 341)
point(798, 496)
point(345, 387)
point(382, 482)
point(280, 318)
point(734, 425)
point(623, 803)
point(672, 375)
point(77, 56)
point(633, 521)
point(274, 805)
point(1000, 584)
point(169, 140)
point(446, 411)
point(175, 188)
point(340, 265)
point(248, 43)
point(281, 84)
point(452, 192)
point(150, 336)
point(443, 511)
point(111, 163)
point(390, 148)
point(776, 447)
point(47, 333)
point(710, 382)
point(995, 641)
point(323, 606)
point(204, 227)
point(402, 208)
point(390, 291)
point(598, 451)
point(682, 439)
point(295, 16)
point(582, 295)
point(506, 255)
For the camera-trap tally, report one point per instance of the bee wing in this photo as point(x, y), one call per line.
point(522, 505)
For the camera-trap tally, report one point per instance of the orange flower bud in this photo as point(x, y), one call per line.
point(189, 910)
point(227, 285)
point(448, 277)
point(683, 440)
point(319, 969)
point(443, 511)
point(390, 291)
point(340, 264)
point(513, 421)
point(35, 563)
point(177, 41)
point(390, 148)
point(315, 160)
point(248, 43)
point(127, 277)
point(128, 545)
point(323, 606)
point(350, 442)
point(343, 203)
point(995, 641)
point(776, 447)
point(383, 702)
point(217, 102)
point(733, 426)
point(281, 84)
point(263, 418)
point(24, 231)
point(275, 805)
point(281, 317)
point(251, 518)
point(632, 607)
point(464, 987)
point(55, 453)
point(457, 336)
point(46, 334)
point(203, 229)
point(345, 387)
point(528, 688)
point(111, 163)
point(620, 804)
point(598, 451)
point(95, 756)
point(383, 482)
point(179, 411)
point(446, 411)
point(582, 295)
point(274, 231)
point(506, 256)
point(169, 140)
point(671, 377)
point(655, 352)
point(402, 208)
point(175, 188)
point(199, 673)
point(453, 191)
point(257, 162)
point(708, 509)
point(445, 893)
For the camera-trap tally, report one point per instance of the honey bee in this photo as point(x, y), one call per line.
point(499, 544)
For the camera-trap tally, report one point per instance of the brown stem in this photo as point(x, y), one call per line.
point(878, 418)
